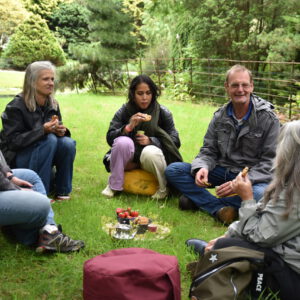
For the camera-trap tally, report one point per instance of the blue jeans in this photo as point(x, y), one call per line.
point(25, 212)
point(179, 176)
point(46, 153)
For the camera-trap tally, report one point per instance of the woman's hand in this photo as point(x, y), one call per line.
point(142, 139)
point(135, 120)
point(60, 130)
point(50, 127)
point(23, 183)
point(243, 187)
point(211, 243)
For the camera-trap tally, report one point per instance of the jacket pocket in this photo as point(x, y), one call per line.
point(223, 136)
point(251, 144)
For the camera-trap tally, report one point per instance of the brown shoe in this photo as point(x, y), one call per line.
point(186, 204)
point(227, 215)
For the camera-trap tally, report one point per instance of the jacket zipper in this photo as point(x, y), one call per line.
point(235, 291)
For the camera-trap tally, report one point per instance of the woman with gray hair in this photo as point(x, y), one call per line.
point(33, 135)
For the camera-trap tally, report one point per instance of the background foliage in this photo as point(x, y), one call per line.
point(100, 37)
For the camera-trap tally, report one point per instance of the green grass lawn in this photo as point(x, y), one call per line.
point(10, 82)
point(27, 275)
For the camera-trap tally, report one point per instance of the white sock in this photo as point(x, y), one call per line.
point(50, 228)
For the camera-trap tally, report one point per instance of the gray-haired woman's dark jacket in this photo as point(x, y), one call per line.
point(21, 127)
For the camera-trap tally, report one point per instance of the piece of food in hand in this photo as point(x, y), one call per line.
point(147, 118)
point(140, 132)
point(245, 171)
point(207, 183)
point(54, 118)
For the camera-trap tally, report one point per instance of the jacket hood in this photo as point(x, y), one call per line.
point(261, 104)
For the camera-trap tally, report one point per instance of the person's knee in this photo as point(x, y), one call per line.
point(67, 144)
point(151, 153)
point(25, 174)
point(51, 140)
point(38, 204)
point(175, 169)
point(122, 143)
point(258, 190)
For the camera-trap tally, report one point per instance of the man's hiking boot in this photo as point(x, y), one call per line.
point(57, 242)
point(227, 215)
point(186, 204)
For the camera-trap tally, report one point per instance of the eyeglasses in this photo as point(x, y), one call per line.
point(245, 86)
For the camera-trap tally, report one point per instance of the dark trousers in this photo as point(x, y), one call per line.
point(282, 279)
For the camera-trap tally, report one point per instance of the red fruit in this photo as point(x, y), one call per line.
point(119, 210)
point(121, 215)
point(128, 209)
point(126, 213)
point(134, 213)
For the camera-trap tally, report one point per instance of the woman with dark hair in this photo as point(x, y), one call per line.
point(273, 224)
point(33, 136)
point(139, 143)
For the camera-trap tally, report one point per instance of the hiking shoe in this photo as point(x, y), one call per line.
point(108, 192)
point(159, 195)
point(186, 204)
point(227, 215)
point(57, 242)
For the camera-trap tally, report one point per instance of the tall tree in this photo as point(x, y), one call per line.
point(111, 27)
point(111, 43)
point(70, 23)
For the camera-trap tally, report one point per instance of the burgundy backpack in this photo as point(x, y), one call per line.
point(131, 273)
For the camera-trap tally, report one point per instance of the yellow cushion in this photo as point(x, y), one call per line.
point(140, 182)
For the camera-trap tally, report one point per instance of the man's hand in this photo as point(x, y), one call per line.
point(225, 189)
point(201, 178)
point(243, 187)
point(19, 182)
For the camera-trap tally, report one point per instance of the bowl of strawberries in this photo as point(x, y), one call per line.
point(125, 216)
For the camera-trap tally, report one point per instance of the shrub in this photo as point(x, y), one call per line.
point(33, 41)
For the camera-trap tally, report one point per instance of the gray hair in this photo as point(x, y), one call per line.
point(32, 74)
point(238, 68)
point(286, 166)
